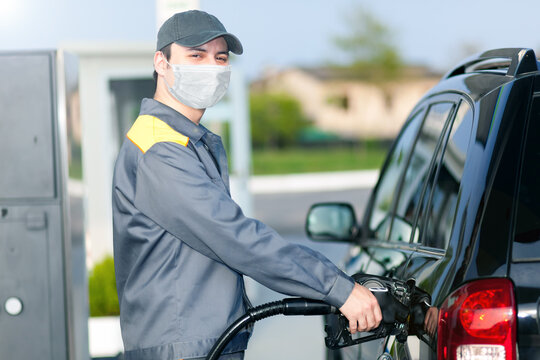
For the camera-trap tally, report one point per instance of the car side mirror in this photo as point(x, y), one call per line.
point(331, 222)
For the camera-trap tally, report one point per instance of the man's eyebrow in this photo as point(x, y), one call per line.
point(200, 49)
point(197, 49)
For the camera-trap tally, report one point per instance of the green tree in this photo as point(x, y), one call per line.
point(102, 294)
point(276, 120)
point(370, 45)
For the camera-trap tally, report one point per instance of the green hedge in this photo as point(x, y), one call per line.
point(103, 299)
point(302, 160)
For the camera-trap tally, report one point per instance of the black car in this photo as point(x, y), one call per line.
point(457, 208)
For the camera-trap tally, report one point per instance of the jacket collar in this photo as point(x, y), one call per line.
point(173, 118)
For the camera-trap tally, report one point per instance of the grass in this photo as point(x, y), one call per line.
point(302, 160)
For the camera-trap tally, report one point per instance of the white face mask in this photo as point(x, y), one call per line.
point(199, 86)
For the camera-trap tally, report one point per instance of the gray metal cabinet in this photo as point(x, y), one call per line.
point(37, 312)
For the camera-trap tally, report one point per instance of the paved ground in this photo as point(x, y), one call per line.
point(287, 212)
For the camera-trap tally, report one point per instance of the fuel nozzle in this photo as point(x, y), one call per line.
point(403, 307)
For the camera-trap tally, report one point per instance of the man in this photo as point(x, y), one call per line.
point(181, 244)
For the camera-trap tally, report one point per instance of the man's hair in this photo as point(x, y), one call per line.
point(167, 52)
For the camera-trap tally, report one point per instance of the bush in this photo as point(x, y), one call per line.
point(102, 294)
point(276, 120)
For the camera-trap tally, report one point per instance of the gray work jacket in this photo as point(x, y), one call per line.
point(181, 244)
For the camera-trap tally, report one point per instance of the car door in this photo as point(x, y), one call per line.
point(426, 209)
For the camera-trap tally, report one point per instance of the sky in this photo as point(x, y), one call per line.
point(285, 33)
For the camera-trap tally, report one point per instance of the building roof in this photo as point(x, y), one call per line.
point(331, 73)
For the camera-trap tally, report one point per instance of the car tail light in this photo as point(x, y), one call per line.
point(478, 322)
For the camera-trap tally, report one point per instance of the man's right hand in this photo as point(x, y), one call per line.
point(362, 310)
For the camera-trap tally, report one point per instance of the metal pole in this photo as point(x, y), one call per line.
point(241, 140)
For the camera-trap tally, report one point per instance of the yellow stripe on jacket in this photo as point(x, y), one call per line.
point(149, 130)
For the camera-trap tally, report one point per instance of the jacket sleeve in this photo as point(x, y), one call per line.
point(174, 190)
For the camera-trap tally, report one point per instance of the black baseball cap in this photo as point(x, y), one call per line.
point(193, 28)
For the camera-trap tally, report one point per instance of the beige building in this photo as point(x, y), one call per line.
point(339, 102)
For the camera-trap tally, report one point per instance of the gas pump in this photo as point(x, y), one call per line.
point(43, 311)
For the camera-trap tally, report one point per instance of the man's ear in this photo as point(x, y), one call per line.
point(160, 65)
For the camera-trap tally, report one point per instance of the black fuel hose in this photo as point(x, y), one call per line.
point(288, 306)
